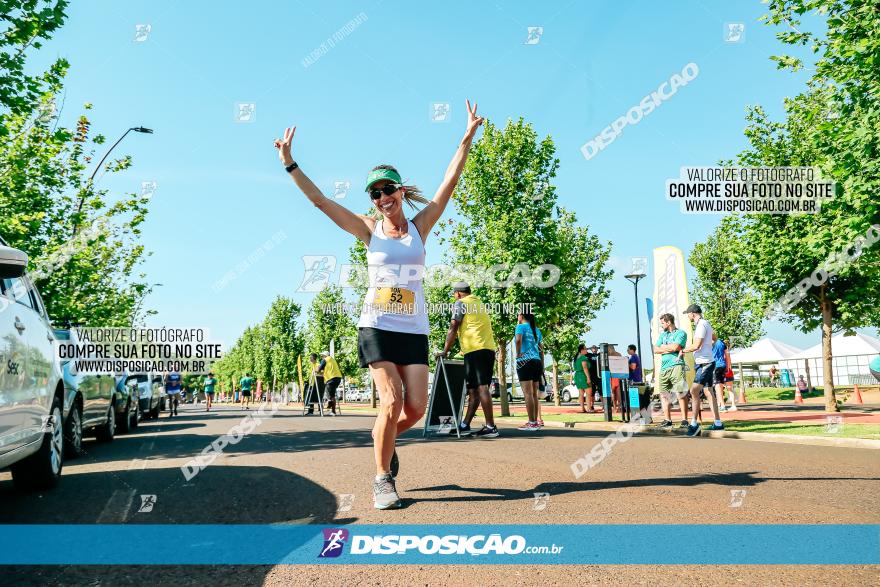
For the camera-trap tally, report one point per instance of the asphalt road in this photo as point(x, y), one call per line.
point(300, 470)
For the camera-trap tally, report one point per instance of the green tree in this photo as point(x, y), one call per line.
point(283, 340)
point(326, 323)
point(722, 289)
point(25, 24)
point(511, 224)
point(82, 244)
point(833, 125)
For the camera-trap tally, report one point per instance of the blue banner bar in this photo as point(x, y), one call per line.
point(790, 544)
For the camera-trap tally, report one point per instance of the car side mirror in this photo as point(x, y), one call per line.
point(12, 262)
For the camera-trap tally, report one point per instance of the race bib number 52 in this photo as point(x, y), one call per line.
point(395, 300)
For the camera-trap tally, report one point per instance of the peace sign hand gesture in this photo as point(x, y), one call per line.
point(283, 146)
point(474, 121)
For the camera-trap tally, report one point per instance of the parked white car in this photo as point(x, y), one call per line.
point(32, 394)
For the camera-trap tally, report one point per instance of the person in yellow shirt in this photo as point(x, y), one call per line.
point(332, 378)
point(471, 323)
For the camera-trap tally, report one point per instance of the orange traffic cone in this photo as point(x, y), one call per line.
point(858, 395)
point(797, 396)
point(742, 396)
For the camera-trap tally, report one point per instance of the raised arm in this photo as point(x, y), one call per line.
point(356, 224)
point(430, 214)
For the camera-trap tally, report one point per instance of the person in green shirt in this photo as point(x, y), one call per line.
point(246, 383)
point(672, 382)
point(582, 379)
point(210, 382)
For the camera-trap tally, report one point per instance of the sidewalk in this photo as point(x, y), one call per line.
point(813, 413)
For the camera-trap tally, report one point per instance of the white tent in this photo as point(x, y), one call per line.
point(841, 346)
point(850, 358)
point(766, 350)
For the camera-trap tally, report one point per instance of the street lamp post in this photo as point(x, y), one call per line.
point(634, 279)
point(139, 129)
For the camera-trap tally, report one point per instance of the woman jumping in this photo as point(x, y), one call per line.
point(393, 326)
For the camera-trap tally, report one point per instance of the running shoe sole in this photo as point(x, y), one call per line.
point(391, 506)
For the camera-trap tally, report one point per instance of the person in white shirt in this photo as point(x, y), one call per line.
point(701, 347)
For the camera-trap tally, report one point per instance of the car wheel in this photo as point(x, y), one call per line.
point(107, 430)
point(154, 412)
point(125, 420)
point(135, 416)
point(509, 397)
point(566, 396)
point(73, 433)
point(42, 470)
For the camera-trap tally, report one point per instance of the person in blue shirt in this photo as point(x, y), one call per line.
point(635, 365)
point(173, 383)
point(529, 367)
point(874, 366)
point(719, 354)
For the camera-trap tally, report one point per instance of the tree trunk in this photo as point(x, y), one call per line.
point(502, 378)
point(830, 399)
point(556, 399)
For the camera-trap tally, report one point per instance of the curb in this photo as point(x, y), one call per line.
point(752, 436)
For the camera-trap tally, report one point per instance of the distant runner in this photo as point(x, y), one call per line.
point(172, 390)
point(210, 382)
point(246, 384)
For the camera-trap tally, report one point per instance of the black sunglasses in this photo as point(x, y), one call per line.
point(387, 189)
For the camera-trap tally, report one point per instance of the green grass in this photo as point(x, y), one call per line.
point(870, 431)
point(786, 394)
point(776, 394)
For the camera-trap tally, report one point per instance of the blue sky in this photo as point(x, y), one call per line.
point(221, 191)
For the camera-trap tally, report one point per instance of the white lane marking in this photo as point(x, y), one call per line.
point(117, 508)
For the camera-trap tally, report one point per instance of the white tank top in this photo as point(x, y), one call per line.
point(395, 300)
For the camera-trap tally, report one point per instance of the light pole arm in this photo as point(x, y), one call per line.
point(104, 158)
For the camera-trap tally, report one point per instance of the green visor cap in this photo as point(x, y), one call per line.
point(380, 174)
